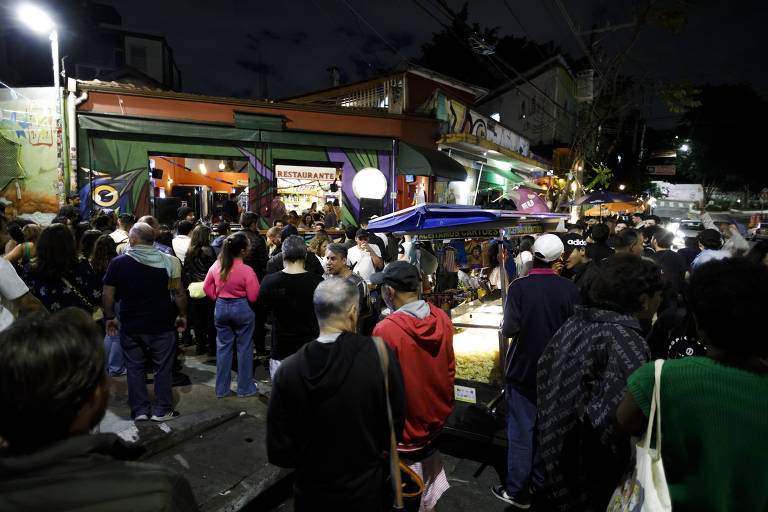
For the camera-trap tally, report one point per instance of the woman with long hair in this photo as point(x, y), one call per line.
point(104, 250)
point(87, 241)
point(318, 246)
point(233, 284)
point(199, 258)
point(58, 277)
point(25, 251)
point(306, 222)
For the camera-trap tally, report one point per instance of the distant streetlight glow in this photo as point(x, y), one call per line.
point(622, 187)
point(685, 148)
point(36, 19)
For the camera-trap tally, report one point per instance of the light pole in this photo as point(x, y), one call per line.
point(39, 21)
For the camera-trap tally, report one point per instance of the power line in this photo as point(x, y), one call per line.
point(572, 27)
point(373, 29)
point(522, 27)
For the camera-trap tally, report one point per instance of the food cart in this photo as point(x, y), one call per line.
point(479, 346)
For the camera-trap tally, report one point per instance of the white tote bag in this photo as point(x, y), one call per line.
point(645, 488)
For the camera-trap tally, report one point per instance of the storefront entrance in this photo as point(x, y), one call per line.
point(204, 184)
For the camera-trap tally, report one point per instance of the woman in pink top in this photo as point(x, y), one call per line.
point(232, 284)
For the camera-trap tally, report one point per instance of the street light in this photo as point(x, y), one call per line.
point(684, 148)
point(39, 21)
point(622, 187)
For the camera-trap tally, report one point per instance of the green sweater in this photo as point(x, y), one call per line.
point(714, 425)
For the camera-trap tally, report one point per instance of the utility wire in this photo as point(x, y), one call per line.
point(373, 29)
point(522, 27)
point(573, 30)
point(355, 48)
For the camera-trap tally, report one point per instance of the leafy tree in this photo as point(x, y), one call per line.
point(724, 134)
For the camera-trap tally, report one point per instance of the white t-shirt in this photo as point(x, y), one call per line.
point(361, 262)
point(11, 288)
point(181, 245)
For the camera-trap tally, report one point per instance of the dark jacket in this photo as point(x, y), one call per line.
point(88, 473)
point(217, 244)
point(582, 378)
point(257, 256)
point(327, 418)
point(195, 269)
point(537, 305)
point(312, 264)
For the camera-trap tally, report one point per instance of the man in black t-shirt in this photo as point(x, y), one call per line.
point(140, 279)
point(287, 297)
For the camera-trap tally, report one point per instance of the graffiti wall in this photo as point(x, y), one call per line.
point(459, 118)
point(28, 158)
point(113, 170)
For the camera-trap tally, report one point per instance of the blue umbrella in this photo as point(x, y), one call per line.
point(602, 197)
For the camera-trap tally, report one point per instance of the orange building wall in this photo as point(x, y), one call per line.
point(423, 132)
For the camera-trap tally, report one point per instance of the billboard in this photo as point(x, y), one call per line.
point(681, 191)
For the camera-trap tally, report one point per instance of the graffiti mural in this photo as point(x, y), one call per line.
point(113, 169)
point(461, 119)
point(28, 162)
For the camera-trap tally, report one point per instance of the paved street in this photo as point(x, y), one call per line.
point(470, 479)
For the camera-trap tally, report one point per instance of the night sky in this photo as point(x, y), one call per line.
point(279, 48)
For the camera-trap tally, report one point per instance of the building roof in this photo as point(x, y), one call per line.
point(402, 67)
point(137, 90)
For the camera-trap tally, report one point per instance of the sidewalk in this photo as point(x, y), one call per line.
point(220, 446)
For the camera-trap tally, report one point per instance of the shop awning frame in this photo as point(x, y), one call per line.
point(480, 145)
point(431, 217)
point(184, 128)
point(422, 161)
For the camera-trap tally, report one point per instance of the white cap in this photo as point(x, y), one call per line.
point(548, 248)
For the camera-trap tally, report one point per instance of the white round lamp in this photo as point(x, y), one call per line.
point(369, 183)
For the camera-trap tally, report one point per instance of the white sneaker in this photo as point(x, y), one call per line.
point(141, 417)
point(500, 492)
point(170, 415)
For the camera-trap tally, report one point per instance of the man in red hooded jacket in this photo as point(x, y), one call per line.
point(421, 336)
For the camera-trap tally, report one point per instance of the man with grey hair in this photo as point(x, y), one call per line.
point(329, 399)
point(140, 279)
point(287, 297)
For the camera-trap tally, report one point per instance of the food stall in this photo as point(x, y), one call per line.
point(476, 311)
point(301, 184)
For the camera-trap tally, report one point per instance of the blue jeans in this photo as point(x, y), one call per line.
point(160, 348)
point(115, 362)
point(525, 468)
point(235, 322)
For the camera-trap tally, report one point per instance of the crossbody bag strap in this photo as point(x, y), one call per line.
point(654, 415)
point(79, 295)
point(394, 459)
point(225, 281)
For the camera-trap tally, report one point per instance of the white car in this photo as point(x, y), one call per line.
point(683, 229)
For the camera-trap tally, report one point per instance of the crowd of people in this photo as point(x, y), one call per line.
point(587, 312)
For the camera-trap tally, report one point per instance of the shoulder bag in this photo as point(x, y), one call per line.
point(644, 487)
point(407, 486)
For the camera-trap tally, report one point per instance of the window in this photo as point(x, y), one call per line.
point(137, 57)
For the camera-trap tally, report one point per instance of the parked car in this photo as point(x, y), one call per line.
point(683, 229)
point(758, 232)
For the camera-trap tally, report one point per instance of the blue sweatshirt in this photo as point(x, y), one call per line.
point(537, 306)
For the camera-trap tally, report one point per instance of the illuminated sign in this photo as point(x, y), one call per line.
point(305, 172)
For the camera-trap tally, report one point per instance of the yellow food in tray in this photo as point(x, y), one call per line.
point(477, 355)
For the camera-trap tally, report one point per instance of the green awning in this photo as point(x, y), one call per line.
point(182, 128)
point(507, 175)
point(421, 161)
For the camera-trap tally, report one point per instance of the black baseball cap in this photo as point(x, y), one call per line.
point(573, 241)
point(400, 275)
